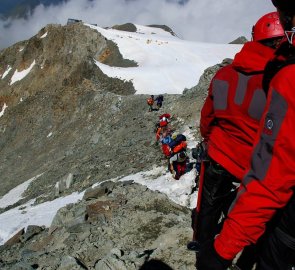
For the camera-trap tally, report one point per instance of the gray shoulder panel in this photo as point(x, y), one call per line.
point(220, 94)
point(263, 151)
point(257, 104)
point(241, 88)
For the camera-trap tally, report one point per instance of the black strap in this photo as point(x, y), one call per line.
point(285, 56)
point(287, 239)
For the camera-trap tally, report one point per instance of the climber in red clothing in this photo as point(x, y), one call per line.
point(267, 190)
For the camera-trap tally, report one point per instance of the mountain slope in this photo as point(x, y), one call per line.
point(63, 111)
point(62, 88)
point(67, 125)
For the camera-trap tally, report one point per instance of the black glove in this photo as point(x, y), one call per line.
point(208, 258)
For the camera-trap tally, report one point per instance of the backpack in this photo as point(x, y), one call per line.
point(166, 115)
point(180, 147)
point(163, 123)
point(160, 99)
point(150, 101)
point(166, 140)
point(179, 138)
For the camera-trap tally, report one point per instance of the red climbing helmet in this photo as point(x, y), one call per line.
point(268, 26)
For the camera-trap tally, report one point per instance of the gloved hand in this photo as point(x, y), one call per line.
point(208, 258)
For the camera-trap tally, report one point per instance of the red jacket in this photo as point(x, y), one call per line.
point(231, 113)
point(268, 184)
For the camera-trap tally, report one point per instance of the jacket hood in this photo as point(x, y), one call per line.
point(252, 57)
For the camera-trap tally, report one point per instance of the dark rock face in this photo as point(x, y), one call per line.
point(128, 27)
point(239, 40)
point(164, 27)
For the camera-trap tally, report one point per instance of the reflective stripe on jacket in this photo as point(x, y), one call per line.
point(234, 106)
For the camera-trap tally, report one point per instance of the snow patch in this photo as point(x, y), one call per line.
point(6, 72)
point(14, 195)
point(17, 76)
point(166, 64)
point(161, 180)
point(15, 219)
point(44, 35)
point(3, 109)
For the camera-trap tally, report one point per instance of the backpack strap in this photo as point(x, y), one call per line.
point(285, 56)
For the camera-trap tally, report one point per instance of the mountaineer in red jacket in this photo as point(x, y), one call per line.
point(267, 190)
point(229, 123)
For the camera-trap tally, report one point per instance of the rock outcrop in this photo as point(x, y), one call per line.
point(118, 226)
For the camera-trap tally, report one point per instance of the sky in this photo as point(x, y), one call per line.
point(198, 20)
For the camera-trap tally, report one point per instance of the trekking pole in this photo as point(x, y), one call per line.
point(198, 207)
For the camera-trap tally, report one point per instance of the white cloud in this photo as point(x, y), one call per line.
point(200, 20)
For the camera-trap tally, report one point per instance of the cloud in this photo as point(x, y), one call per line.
point(198, 20)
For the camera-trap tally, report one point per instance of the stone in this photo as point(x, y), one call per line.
point(70, 263)
point(15, 238)
point(30, 232)
point(101, 190)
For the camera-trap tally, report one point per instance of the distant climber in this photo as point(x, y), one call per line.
point(159, 99)
point(178, 155)
point(177, 164)
point(162, 129)
point(164, 119)
point(150, 101)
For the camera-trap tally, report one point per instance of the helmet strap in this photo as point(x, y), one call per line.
point(290, 35)
point(252, 33)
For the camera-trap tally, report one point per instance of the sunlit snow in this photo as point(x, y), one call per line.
point(6, 72)
point(44, 35)
point(19, 75)
point(15, 194)
point(166, 64)
point(3, 109)
point(15, 219)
